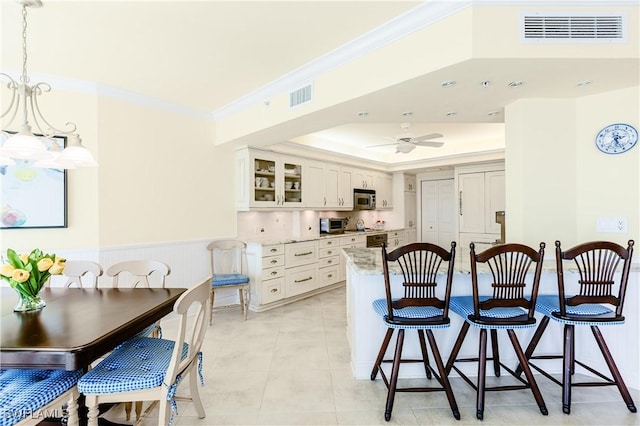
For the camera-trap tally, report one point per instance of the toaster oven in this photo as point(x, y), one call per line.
point(332, 225)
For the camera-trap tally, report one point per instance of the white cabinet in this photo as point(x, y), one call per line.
point(328, 186)
point(329, 263)
point(383, 184)
point(396, 239)
point(268, 180)
point(409, 183)
point(363, 179)
point(345, 188)
point(480, 195)
point(266, 268)
point(410, 210)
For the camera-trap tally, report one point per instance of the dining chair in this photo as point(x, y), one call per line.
point(82, 273)
point(595, 299)
point(28, 396)
point(506, 302)
point(420, 303)
point(146, 273)
point(229, 271)
point(150, 369)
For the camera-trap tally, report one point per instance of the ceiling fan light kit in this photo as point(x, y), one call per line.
point(405, 143)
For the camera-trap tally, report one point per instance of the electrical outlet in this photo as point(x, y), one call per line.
point(258, 229)
point(612, 224)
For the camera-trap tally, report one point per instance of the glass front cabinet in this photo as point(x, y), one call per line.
point(268, 180)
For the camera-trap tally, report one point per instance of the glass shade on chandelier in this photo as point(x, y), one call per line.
point(25, 145)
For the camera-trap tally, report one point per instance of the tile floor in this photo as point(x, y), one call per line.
point(290, 366)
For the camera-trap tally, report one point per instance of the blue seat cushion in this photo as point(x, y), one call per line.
point(548, 303)
point(380, 306)
point(463, 306)
point(139, 363)
point(221, 280)
point(24, 392)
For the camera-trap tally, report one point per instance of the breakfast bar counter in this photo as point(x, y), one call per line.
point(365, 329)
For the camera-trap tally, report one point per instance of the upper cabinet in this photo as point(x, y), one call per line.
point(268, 180)
point(363, 179)
point(383, 184)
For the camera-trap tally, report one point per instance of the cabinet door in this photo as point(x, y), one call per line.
point(293, 171)
point(315, 184)
point(345, 188)
point(384, 194)
point(266, 180)
point(438, 212)
point(471, 202)
point(332, 186)
point(410, 209)
point(363, 179)
point(494, 199)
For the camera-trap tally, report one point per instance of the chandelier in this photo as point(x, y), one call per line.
point(24, 144)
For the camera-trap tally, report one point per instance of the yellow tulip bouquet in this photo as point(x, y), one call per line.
point(27, 274)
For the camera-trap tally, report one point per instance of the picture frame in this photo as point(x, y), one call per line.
point(34, 197)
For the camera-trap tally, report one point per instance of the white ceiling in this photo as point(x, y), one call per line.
point(203, 55)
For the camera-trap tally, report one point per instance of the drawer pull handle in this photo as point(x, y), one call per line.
point(303, 280)
point(330, 275)
point(329, 252)
point(329, 261)
point(274, 272)
point(274, 290)
point(273, 250)
point(274, 261)
point(303, 254)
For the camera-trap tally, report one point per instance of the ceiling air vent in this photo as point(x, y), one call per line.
point(301, 95)
point(583, 28)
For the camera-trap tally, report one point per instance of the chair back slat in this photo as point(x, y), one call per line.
point(600, 278)
point(512, 284)
point(138, 273)
point(228, 257)
point(427, 271)
point(78, 271)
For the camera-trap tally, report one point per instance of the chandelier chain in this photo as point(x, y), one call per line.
point(24, 78)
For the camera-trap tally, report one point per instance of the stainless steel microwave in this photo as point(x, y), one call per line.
point(332, 226)
point(364, 199)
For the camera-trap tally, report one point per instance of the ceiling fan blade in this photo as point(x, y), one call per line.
point(384, 144)
point(425, 137)
point(433, 144)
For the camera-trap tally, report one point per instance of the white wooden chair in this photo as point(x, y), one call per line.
point(81, 272)
point(146, 273)
point(27, 396)
point(140, 271)
point(150, 369)
point(229, 271)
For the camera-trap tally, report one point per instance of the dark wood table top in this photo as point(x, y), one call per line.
point(78, 325)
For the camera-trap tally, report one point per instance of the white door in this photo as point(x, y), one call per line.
point(438, 212)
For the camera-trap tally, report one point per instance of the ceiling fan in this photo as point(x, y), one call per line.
point(405, 143)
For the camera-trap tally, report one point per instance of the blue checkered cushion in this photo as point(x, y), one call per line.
point(24, 392)
point(380, 306)
point(221, 280)
point(548, 303)
point(140, 363)
point(463, 306)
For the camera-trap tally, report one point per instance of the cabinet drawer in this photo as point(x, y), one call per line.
point(328, 242)
point(271, 273)
point(329, 261)
point(272, 290)
point(300, 280)
point(304, 253)
point(273, 250)
point(353, 239)
point(328, 251)
point(328, 276)
point(272, 261)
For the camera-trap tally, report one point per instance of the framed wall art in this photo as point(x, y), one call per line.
point(34, 197)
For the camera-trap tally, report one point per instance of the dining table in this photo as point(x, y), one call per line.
point(78, 325)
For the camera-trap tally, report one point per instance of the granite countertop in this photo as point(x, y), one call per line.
point(368, 261)
point(286, 240)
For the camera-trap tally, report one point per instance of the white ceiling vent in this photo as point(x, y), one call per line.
point(574, 28)
point(301, 95)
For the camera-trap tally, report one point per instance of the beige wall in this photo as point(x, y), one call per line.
point(558, 183)
point(160, 179)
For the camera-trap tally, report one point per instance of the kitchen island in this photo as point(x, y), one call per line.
point(365, 329)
